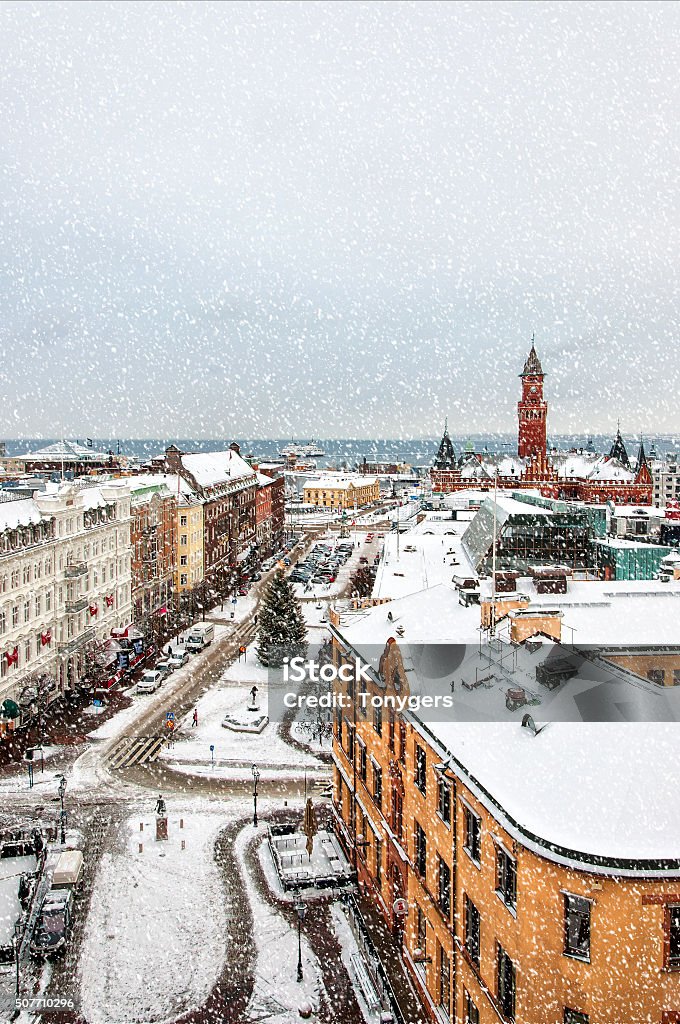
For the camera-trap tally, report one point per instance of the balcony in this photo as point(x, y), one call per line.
point(75, 569)
point(78, 604)
point(76, 642)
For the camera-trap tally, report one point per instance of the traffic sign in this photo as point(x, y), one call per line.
point(170, 724)
point(170, 716)
point(400, 906)
point(233, 600)
point(212, 747)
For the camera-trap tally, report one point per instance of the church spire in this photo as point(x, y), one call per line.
point(532, 366)
point(446, 456)
point(618, 450)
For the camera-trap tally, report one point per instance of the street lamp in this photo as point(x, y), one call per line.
point(16, 941)
point(62, 817)
point(301, 910)
point(256, 775)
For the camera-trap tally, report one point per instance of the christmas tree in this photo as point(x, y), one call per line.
point(282, 631)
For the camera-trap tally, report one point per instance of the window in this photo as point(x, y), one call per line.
point(378, 861)
point(38, 604)
point(421, 769)
point(182, 520)
point(350, 741)
point(471, 1011)
point(420, 850)
point(575, 1017)
point(656, 675)
point(506, 877)
point(473, 833)
point(183, 579)
point(444, 801)
point(15, 578)
point(27, 611)
point(577, 926)
point(444, 887)
point(183, 540)
point(673, 933)
point(15, 615)
point(27, 651)
point(421, 931)
point(48, 601)
point(377, 785)
point(444, 981)
point(505, 983)
point(27, 574)
point(183, 560)
point(363, 763)
point(472, 930)
point(3, 624)
point(377, 719)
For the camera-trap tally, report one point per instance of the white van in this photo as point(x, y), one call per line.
point(150, 681)
point(200, 636)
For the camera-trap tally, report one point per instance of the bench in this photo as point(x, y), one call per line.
point(363, 980)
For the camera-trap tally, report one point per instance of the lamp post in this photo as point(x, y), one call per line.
point(256, 775)
point(301, 910)
point(62, 816)
point(16, 941)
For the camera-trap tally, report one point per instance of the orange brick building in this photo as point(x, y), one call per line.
point(510, 900)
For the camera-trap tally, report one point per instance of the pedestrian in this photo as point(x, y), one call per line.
point(195, 718)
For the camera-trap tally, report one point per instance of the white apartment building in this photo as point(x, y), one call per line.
point(665, 480)
point(65, 581)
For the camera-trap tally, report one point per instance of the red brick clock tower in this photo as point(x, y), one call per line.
point(532, 410)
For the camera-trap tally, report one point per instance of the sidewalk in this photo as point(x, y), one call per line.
point(390, 956)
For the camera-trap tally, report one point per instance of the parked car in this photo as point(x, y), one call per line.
point(55, 923)
point(363, 560)
point(150, 681)
point(165, 666)
point(178, 657)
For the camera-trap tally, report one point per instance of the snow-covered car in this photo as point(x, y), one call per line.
point(178, 657)
point(150, 681)
point(165, 667)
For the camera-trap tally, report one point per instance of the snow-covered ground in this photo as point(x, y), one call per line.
point(154, 942)
point(277, 995)
point(233, 750)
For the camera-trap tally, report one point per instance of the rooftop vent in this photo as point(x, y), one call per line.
point(529, 724)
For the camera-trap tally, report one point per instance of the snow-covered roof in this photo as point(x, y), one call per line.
point(602, 789)
point(211, 468)
point(69, 451)
point(581, 786)
point(264, 481)
point(18, 512)
point(340, 483)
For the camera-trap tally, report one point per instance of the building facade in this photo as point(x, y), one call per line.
point(342, 492)
point(497, 920)
point(65, 581)
point(153, 512)
point(227, 488)
point(189, 537)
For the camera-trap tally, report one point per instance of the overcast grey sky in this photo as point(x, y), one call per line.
point(336, 219)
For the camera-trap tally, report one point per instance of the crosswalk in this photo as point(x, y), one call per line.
point(134, 750)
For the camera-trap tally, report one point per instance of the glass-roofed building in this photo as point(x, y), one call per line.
point(527, 535)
